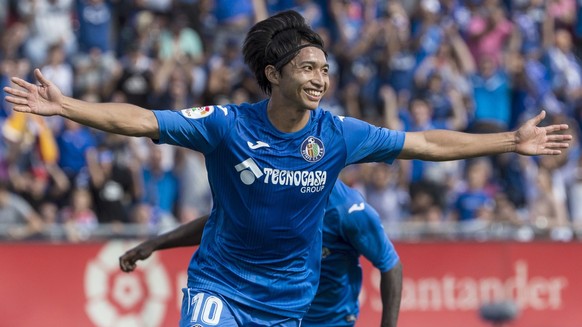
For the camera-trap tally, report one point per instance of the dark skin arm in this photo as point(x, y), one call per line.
point(391, 292)
point(188, 234)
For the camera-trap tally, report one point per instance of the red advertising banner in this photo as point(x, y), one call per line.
point(444, 285)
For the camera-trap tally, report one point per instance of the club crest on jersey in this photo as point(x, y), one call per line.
point(198, 112)
point(312, 149)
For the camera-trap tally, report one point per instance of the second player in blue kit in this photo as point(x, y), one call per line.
point(352, 228)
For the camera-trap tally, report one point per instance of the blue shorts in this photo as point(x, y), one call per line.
point(202, 308)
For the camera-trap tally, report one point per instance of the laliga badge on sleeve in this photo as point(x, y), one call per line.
point(198, 112)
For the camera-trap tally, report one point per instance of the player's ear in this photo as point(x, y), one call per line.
point(272, 74)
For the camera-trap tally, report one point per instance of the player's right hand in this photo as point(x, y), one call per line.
point(127, 262)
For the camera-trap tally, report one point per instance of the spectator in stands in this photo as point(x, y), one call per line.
point(135, 85)
point(507, 221)
point(143, 29)
point(44, 188)
point(565, 70)
point(577, 28)
point(312, 10)
point(95, 62)
point(532, 86)
point(549, 213)
point(31, 149)
point(180, 42)
point(195, 11)
point(530, 23)
point(59, 69)
point(172, 85)
point(474, 204)
point(574, 194)
point(488, 31)
point(194, 195)
point(419, 118)
point(448, 108)
point(8, 66)
point(399, 54)
point(231, 20)
point(450, 62)
point(13, 37)
point(457, 13)
point(78, 217)
point(5, 156)
point(17, 217)
point(49, 22)
point(160, 185)
point(386, 191)
point(563, 12)
point(74, 141)
point(508, 175)
point(356, 47)
point(114, 188)
point(225, 71)
point(4, 13)
point(427, 208)
point(491, 95)
point(149, 220)
point(508, 172)
point(428, 29)
point(95, 26)
point(158, 6)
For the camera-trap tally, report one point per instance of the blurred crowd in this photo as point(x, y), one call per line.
point(468, 65)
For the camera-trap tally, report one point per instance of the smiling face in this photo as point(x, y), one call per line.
point(303, 81)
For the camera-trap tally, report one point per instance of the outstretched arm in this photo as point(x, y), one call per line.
point(391, 292)
point(529, 139)
point(189, 234)
point(47, 100)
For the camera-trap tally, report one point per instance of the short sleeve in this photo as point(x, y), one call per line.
point(361, 226)
point(369, 143)
point(200, 128)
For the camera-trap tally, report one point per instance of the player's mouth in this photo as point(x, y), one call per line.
point(314, 95)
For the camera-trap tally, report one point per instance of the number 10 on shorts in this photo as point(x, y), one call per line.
point(206, 309)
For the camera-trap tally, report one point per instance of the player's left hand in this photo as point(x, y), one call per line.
point(534, 140)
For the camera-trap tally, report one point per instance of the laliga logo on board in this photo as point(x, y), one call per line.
point(115, 298)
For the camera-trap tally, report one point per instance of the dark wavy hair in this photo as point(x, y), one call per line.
point(276, 41)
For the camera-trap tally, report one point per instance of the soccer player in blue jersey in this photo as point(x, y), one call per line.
point(271, 166)
point(350, 228)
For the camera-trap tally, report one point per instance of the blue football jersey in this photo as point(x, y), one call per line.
point(351, 228)
point(261, 245)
